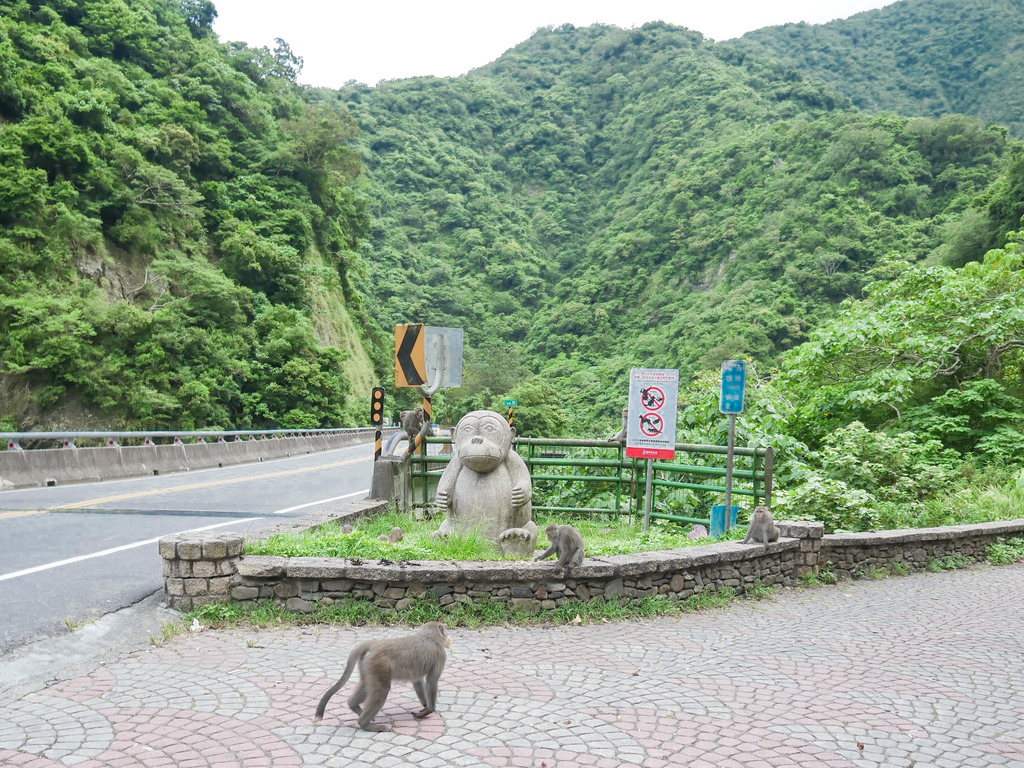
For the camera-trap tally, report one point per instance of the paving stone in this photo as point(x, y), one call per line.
point(869, 663)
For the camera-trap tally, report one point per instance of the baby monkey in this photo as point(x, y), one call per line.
point(762, 527)
point(418, 657)
point(567, 543)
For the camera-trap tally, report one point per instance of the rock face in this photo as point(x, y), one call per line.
point(486, 487)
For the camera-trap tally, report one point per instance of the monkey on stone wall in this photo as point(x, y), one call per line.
point(567, 543)
point(762, 527)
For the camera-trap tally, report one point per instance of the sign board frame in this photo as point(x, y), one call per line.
point(428, 357)
point(653, 403)
point(734, 386)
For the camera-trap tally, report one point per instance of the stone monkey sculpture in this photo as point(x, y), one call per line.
point(486, 486)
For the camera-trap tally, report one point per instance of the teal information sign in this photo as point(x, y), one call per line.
point(734, 384)
point(511, 403)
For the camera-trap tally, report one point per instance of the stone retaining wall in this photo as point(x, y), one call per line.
point(855, 555)
point(209, 567)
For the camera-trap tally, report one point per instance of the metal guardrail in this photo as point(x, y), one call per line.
point(624, 476)
point(13, 440)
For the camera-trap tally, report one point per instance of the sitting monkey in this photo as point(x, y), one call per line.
point(762, 527)
point(567, 543)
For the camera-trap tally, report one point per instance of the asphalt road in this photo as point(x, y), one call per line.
point(70, 554)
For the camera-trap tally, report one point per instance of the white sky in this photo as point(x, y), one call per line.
point(373, 40)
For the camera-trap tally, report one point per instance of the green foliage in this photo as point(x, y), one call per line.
point(1004, 552)
point(949, 563)
point(932, 348)
point(917, 57)
point(157, 189)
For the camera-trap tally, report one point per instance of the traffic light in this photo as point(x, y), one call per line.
point(377, 407)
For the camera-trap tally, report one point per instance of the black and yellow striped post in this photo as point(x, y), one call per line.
point(511, 405)
point(377, 419)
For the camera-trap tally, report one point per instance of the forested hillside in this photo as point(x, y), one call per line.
point(598, 199)
point(177, 227)
point(189, 238)
point(915, 57)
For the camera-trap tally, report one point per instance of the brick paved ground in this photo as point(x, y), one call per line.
point(921, 671)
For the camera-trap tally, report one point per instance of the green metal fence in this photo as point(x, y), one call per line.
point(601, 467)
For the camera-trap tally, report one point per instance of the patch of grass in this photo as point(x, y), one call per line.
point(602, 535)
point(76, 624)
point(352, 612)
point(168, 631)
point(878, 573)
point(900, 569)
point(1005, 552)
point(824, 577)
point(949, 563)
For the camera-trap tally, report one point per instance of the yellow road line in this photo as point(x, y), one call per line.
point(22, 513)
point(209, 484)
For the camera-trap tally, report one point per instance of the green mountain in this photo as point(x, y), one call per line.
point(914, 57)
point(191, 239)
point(598, 199)
point(177, 227)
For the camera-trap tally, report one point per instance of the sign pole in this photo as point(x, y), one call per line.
point(734, 385)
point(728, 470)
point(649, 495)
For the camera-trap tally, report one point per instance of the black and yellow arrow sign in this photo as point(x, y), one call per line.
point(410, 355)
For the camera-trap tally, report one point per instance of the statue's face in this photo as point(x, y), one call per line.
point(482, 440)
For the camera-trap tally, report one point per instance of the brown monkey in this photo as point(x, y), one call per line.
point(620, 436)
point(413, 421)
point(567, 543)
point(418, 657)
point(762, 526)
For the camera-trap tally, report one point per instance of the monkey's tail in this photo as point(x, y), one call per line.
point(353, 658)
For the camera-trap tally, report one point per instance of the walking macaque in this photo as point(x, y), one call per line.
point(567, 543)
point(418, 657)
point(762, 526)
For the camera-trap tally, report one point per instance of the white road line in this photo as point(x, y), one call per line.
point(322, 501)
point(36, 569)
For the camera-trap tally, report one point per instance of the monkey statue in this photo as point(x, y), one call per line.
point(419, 658)
point(567, 543)
point(762, 527)
point(486, 486)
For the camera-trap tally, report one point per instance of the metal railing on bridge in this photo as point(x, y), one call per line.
point(15, 441)
point(561, 469)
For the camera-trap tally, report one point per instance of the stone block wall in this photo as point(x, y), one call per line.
point(204, 567)
point(855, 555)
point(198, 571)
point(198, 567)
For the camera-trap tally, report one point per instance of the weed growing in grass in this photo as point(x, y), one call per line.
point(949, 563)
point(1004, 552)
point(168, 631)
point(351, 612)
point(825, 576)
point(900, 569)
point(76, 624)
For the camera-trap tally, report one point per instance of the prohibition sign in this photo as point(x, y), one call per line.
point(652, 398)
point(651, 424)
